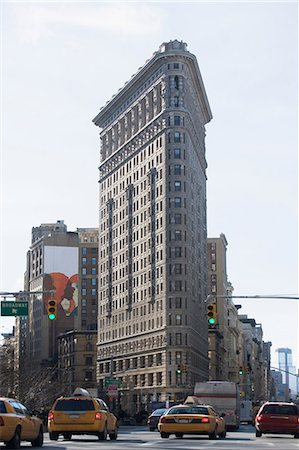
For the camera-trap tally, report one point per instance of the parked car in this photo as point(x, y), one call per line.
point(81, 414)
point(277, 418)
point(18, 424)
point(192, 419)
point(154, 418)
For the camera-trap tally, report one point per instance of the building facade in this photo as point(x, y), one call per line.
point(87, 316)
point(152, 330)
point(224, 337)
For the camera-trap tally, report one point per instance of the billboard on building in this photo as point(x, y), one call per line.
point(61, 275)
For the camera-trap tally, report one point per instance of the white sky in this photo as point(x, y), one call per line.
point(62, 61)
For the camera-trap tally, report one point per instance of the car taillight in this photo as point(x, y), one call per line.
point(297, 419)
point(1, 422)
point(162, 419)
point(205, 420)
point(50, 416)
point(98, 416)
point(258, 418)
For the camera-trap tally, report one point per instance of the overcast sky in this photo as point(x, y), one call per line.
point(62, 61)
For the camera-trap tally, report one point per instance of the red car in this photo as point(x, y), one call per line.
point(277, 418)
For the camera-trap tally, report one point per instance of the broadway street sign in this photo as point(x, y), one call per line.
point(10, 308)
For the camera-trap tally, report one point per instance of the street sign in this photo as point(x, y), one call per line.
point(9, 308)
point(112, 391)
point(111, 382)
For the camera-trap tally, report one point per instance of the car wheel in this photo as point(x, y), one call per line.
point(38, 442)
point(53, 436)
point(179, 435)
point(67, 436)
point(213, 435)
point(103, 435)
point(222, 435)
point(15, 441)
point(164, 435)
point(258, 433)
point(113, 436)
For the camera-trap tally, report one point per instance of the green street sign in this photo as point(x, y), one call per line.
point(111, 382)
point(10, 308)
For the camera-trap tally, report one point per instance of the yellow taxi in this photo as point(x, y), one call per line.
point(192, 419)
point(18, 424)
point(81, 414)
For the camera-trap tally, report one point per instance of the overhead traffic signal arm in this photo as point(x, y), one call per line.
point(212, 315)
point(52, 309)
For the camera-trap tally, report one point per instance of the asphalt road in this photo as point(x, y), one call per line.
point(140, 438)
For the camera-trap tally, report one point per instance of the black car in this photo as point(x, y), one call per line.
point(154, 418)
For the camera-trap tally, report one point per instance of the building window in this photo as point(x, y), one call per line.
point(177, 120)
point(177, 153)
point(178, 218)
point(176, 101)
point(88, 360)
point(178, 319)
point(178, 339)
point(177, 202)
point(178, 252)
point(177, 169)
point(178, 302)
point(83, 261)
point(177, 186)
point(178, 269)
point(83, 270)
point(176, 82)
point(93, 261)
point(88, 375)
point(84, 251)
point(93, 281)
point(83, 292)
point(177, 235)
point(177, 136)
point(93, 292)
point(178, 285)
point(93, 271)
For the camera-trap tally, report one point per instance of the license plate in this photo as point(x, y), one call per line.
point(74, 416)
point(183, 421)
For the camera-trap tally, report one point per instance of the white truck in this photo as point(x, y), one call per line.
point(246, 411)
point(224, 396)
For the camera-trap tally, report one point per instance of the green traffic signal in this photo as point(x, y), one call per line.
point(52, 312)
point(212, 315)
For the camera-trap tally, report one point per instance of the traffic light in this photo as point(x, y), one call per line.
point(179, 369)
point(212, 315)
point(52, 309)
point(240, 370)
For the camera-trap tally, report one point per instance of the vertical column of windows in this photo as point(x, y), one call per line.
point(110, 255)
point(152, 178)
point(130, 192)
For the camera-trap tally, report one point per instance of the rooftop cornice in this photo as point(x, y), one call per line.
point(166, 50)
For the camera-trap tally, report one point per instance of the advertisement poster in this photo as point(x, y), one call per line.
point(61, 276)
